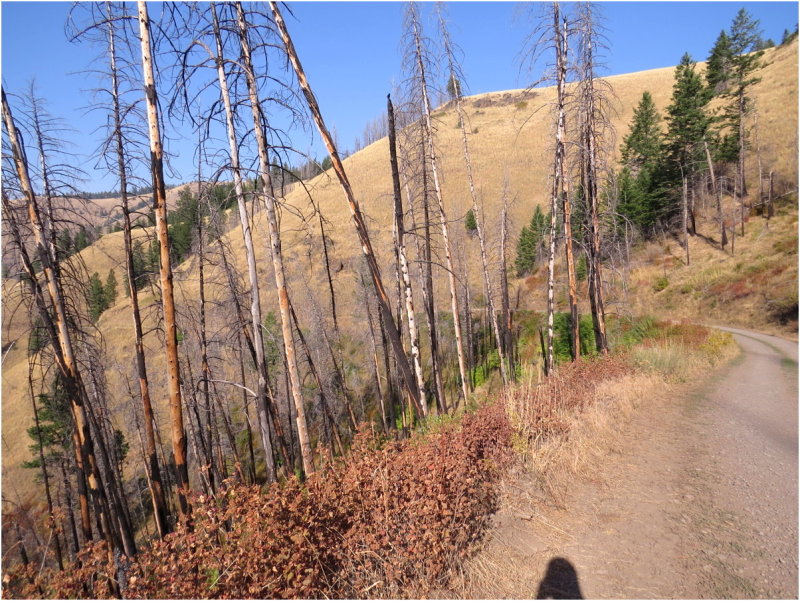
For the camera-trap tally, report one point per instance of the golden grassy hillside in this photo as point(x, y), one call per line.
point(510, 136)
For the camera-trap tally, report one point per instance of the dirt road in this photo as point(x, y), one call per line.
point(700, 501)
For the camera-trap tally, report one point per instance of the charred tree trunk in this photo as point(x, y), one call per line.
point(508, 331)
point(476, 211)
point(153, 468)
point(263, 400)
point(403, 261)
point(51, 520)
point(431, 152)
point(167, 293)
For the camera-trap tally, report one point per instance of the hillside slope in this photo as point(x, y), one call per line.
point(510, 136)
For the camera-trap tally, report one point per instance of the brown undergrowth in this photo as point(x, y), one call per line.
point(391, 519)
point(397, 519)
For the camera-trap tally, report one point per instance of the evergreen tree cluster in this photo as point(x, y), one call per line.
point(101, 296)
point(531, 243)
point(660, 150)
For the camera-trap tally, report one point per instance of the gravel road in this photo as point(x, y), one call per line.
point(701, 500)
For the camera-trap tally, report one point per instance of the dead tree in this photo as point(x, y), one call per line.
point(403, 260)
point(268, 198)
point(217, 56)
point(424, 255)
point(560, 186)
point(416, 53)
point(51, 520)
point(508, 332)
point(165, 270)
point(593, 124)
point(723, 237)
point(51, 298)
point(555, 36)
point(480, 229)
point(409, 380)
point(115, 146)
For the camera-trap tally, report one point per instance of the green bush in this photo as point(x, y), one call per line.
point(562, 336)
point(660, 284)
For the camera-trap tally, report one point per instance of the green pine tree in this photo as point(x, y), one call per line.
point(469, 222)
point(640, 181)
point(81, 240)
point(718, 64)
point(531, 242)
point(55, 426)
point(37, 339)
point(687, 121)
point(744, 34)
point(96, 297)
point(110, 289)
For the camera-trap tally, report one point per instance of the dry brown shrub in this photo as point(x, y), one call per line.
point(391, 519)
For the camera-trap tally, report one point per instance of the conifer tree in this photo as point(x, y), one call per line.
point(687, 121)
point(110, 289)
point(96, 297)
point(642, 160)
point(744, 35)
point(718, 65)
point(531, 242)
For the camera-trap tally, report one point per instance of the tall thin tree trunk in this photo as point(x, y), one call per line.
point(268, 198)
point(431, 152)
point(403, 261)
point(383, 300)
point(247, 237)
point(153, 468)
point(723, 237)
point(508, 332)
point(561, 187)
point(167, 293)
point(685, 211)
point(45, 479)
point(60, 334)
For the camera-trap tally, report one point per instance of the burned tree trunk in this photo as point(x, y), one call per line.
point(152, 466)
point(401, 252)
point(58, 325)
point(431, 152)
point(247, 237)
point(167, 293)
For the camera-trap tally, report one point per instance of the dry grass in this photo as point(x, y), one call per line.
point(755, 288)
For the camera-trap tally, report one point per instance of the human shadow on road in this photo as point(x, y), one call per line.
point(560, 581)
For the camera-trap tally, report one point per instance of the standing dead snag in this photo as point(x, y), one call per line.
point(427, 125)
point(409, 380)
point(508, 333)
point(560, 186)
point(476, 211)
point(247, 238)
point(592, 118)
point(58, 325)
point(401, 252)
point(268, 197)
point(152, 466)
point(723, 237)
point(167, 293)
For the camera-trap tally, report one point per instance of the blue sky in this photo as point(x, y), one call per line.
point(351, 53)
